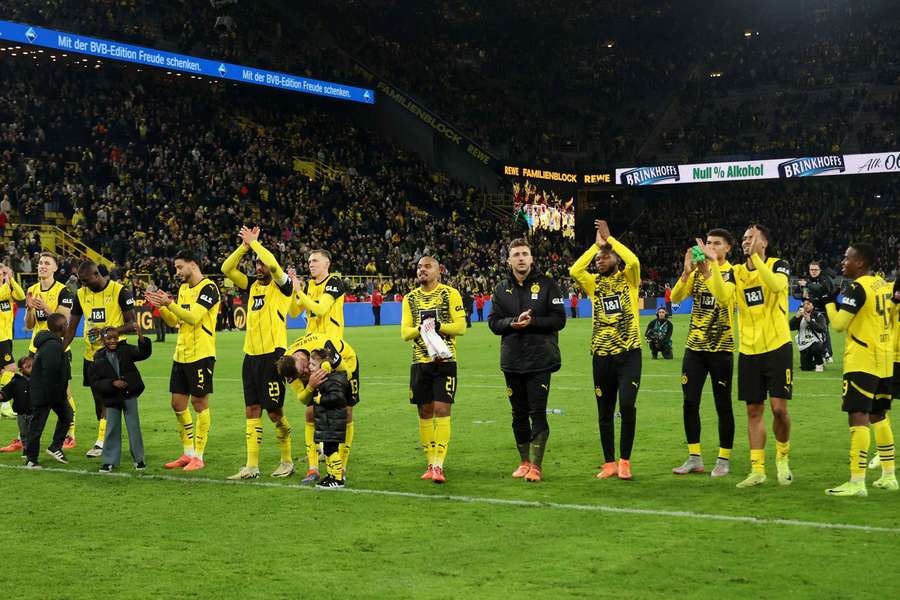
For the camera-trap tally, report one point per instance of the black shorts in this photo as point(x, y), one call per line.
point(262, 385)
point(696, 365)
point(432, 382)
point(354, 386)
point(86, 372)
point(618, 376)
point(193, 378)
point(770, 374)
point(866, 393)
point(6, 355)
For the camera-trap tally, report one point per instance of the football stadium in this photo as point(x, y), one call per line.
point(398, 299)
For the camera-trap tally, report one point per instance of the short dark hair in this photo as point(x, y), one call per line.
point(323, 252)
point(321, 354)
point(519, 243)
point(187, 256)
point(49, 255)
point(56, 323)
point(866, 252)
point(22, 360)
point(86, 266)
point(814, 263)
point(287, 368)
point(722, 233)
point(764, 230)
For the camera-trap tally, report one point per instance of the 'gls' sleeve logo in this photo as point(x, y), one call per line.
point(754, 296)
point(612, 305)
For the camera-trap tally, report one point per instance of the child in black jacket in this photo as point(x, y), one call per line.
point(332, 390)
point(17, 391)
point(115, 379)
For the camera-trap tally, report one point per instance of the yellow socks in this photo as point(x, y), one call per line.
point(441, 439)
point(101, 432)
point(725, 453)
point(426, 437)
point(283, 436)
point(782, 450)
point(884, 439)
point(334, 465)
point(71, 432)
point(312, 450)
point(186, 428)
point(344, 448)
point(758, 461)
point(254, 442)
point(860, 438)
point(202, 436)
point(694, 449)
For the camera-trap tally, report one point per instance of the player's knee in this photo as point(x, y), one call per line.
point(755, 411)
point(274, 415)
point(877, 417)
point(779, 410)
point(441, 409)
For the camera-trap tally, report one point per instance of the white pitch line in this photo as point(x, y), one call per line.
point(680, 514)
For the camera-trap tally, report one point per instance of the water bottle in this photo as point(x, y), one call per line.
point(556, 411)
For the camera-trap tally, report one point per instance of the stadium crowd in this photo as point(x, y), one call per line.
point(737, 88)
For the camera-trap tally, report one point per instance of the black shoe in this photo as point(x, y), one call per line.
point(331, 482)
point(58, 455)
point(32, 465)
point(106, 468)
point(139, 466)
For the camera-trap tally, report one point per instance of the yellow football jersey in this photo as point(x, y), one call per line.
point(332, 322)
point(9, 294)
point(869, 344)
point(896, 311)
point(314, 341)
point(268, 306)
point(197, 341)
point(712, 325)
point(58, 295)
point(444, 304)
point(614, 300)
point(762, 302)
point(105, 308)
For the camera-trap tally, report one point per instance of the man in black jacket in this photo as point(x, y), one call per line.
point(659, 334)
point(50, 376)
point(116, 381)
point(819, 289)
point(528, 311)
point(810, 326)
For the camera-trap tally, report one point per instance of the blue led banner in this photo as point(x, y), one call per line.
point(69, 42)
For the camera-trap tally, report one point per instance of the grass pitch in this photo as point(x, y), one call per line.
point(76, 534)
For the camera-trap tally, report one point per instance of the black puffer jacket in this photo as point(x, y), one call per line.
point(51, 372)
point(536, 347)
point(330, 409)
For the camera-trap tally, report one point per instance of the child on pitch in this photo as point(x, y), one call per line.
point(116, 380)
point(16, 390)
point(331, 391)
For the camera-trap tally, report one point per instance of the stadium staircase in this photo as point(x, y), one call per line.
point(316, 170)
point(54, 239)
